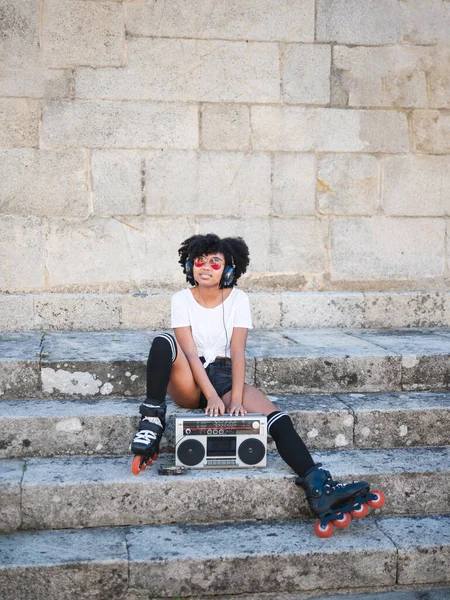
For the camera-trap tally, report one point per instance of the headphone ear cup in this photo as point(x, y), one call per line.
point(189, 272)
point(228, 276)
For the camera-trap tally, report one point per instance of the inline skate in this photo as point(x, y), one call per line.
point(145, 444)
point(336, 503)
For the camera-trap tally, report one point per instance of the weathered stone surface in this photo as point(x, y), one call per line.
point(72, 34)
point(76, 311)
point(145, 312)
point(424, 553)
point(297, 244)
point(107, 248)
point(60, 493)
point(20, 28)
point(396, 76)
point(64, 427)
point(95, 365)
point(321, 421)
point(416, 185)
point(57, 564)
point(313, 309)
point(10, 509)
point(294, 188)
point(431, 131)
point(225, 126)
point(117, 182)
point(397, 420)
point(24, 268)
point(266, 310)
point(16, 312)
point(405, 309)
point(425, 356)
point(304, 129)
point(44, 182)
point(424, 22)
point(325, 361)
point(237, 19)
point(386, 248)
point(19, 365)
point(19, 122)
point(285, 548)
point(353, 22)
point(184, 70)
point(347, 184)
point(171, 181)
point(218, 183)
point(306, 73)
point(234, 184)
point(119, 124)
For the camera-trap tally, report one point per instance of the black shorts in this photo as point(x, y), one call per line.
point(219, 373)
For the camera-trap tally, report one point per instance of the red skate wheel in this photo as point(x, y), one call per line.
point(343, 521)
point(323, 531)
point(360, 512)
point(135, 465)
point(379, 501)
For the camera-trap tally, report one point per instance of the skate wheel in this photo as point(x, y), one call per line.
point(136, 466)
point(343, 521)
point(323, 531)
point(379, 501)
point(360, 512)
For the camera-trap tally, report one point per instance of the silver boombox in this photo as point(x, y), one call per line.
point(202, 441)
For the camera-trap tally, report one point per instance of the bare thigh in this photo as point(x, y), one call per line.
point(253, 401)
point(182, 387)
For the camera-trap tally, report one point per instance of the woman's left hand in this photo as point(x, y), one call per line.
point(237, 409)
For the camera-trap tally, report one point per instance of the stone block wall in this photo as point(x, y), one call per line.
point(317, 129)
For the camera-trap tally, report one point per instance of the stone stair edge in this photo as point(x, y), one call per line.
point(271, 309)
point(105, 426)
point(60, 493)
point(186, 561)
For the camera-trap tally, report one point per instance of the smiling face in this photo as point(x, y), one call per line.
point(208, 269)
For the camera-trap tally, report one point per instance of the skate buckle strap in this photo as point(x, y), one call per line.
point(151, 410)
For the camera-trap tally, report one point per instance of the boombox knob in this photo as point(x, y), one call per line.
point(251, 451)
point(191, 452)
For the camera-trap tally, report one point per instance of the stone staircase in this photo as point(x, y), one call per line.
point(75, 523)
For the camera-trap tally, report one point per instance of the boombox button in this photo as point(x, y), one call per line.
point(215, 431)
point(221, 431)
point(209, 432)
point(187, 432)
point(255, 424)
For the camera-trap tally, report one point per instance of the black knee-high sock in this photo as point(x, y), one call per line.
point(289, 444)
point(163, 353)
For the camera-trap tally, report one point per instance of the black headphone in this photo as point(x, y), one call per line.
point(226, 280)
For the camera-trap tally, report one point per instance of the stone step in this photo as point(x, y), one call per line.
point(39, 428)
point(270, 309)
point(286, 361)
point(396, 593)
point(59, 493)
point(223, 559)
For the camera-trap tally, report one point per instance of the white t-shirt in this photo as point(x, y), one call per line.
point(208, 324)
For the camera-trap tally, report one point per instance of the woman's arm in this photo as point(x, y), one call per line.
point(184, 337)
point(237, 353)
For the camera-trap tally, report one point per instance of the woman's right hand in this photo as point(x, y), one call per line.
point(215, 406)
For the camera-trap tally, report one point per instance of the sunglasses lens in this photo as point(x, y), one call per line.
point(216, 266)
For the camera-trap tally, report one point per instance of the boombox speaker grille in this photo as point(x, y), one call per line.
point(251, 451)
point(191, 452)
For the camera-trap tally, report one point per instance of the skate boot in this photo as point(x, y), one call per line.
point(336, 503)
point(145, 444)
